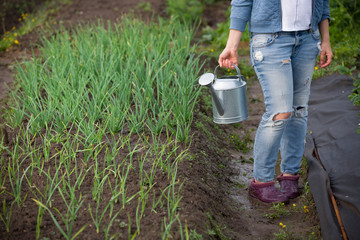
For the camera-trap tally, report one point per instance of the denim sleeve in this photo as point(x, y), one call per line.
point(240, 14)
point(326, 11)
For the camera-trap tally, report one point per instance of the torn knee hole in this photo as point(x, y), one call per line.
point(300, 111)
point(285, 61)
point(280, 116)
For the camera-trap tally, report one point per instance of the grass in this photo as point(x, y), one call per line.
point(99, 118)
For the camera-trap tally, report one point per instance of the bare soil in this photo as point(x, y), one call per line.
point(215, 200)
point(11, 10)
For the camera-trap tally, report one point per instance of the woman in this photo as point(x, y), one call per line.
point(285, 42)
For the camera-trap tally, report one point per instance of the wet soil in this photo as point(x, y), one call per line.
point(215, 200)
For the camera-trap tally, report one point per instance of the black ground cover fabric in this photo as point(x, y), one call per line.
point(332, 125)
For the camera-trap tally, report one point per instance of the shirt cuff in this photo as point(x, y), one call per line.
point(237, 24)
point(325, 17)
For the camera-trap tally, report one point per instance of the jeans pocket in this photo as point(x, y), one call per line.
point(257, 43)
point(262, 40)
point(316, 34)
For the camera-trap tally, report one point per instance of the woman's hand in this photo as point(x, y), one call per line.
point(326, 53)
point(229, 55)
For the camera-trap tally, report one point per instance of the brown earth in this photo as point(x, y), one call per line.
point(11, 10)
point(215, 191)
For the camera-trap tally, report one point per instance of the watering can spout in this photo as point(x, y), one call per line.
point(207, 80)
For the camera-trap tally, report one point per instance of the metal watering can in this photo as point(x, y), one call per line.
point(228, 96)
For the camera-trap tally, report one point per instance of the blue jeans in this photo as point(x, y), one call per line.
point(284, 63)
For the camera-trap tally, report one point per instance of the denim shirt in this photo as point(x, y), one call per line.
point(264, 16)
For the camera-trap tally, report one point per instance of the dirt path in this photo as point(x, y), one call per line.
point(215, 193)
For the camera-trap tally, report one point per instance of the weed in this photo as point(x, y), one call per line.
point(216, 230)
point(285, 234)
point(277, 210)
point(306, 189)
point(315, 234)
point(194, 235)
point(243, 145)
point(237, 125)
point(240, 185)
point(221, 166)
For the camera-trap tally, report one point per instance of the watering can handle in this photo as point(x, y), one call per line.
point(237, 69)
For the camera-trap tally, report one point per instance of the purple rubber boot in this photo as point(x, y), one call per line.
point(289, 185)
point(266, 192)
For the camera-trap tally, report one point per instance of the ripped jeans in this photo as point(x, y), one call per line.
point(284, 63)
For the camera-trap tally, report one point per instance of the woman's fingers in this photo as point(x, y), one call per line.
point(222, 59)
point(227, 59)
point(325, 55)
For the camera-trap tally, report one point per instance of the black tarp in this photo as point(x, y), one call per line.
point(332, 125)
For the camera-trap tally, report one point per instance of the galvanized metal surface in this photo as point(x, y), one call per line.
point(235, 106)
point(228, 97)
